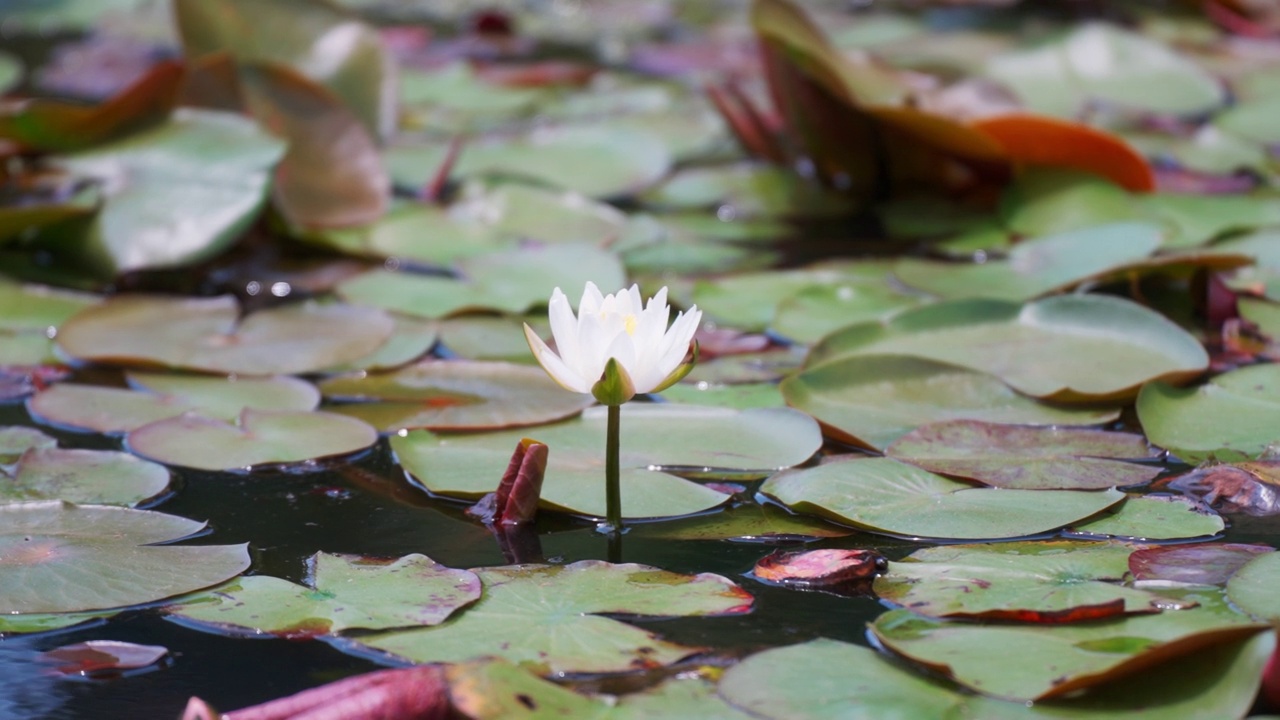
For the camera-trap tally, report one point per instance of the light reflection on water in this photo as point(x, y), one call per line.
point(26, 691)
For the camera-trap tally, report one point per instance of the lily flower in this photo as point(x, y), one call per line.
point(615, 348)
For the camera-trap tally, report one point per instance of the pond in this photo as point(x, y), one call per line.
point(982, 414)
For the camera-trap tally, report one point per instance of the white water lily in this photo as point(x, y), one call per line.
point(649, 356)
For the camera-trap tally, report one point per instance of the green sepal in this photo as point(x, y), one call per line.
point(615, 386)
point(681, 370)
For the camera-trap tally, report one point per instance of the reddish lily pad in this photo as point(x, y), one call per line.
point(1028, 457)
point(455, 395)
point(1251, 487)
point(341, 592)
point(159, 396)
point(259, 438)
point(1036, 662)
point(1045, 582)
point(828, 567)
point(102, 658)
point(1194, 564)
point(884, 495)
point(60, 557)
point(208, 334)
point(556, 613)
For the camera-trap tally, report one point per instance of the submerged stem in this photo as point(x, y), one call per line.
point(612, 485)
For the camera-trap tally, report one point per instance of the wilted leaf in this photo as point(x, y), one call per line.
point(1194, 564)
point(102, 658)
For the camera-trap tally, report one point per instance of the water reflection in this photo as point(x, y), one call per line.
point(26, 692)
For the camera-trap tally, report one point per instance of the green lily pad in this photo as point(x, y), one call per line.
point(342, 592)
point(90, 477)
point(1035, 662)
point(1253, 587)
point(1067, 347)
point(35, 308)
point(60, 557)
point(455, 395)
point(1052, 582)
point(1027, 458)
point(16, 440)
point(745, 523)
point(714, 442)
point(873, 400)
point(1235, 416)
point(1036, 267)
point(884, 495)
point(756, 367)
point(597, 160)
point(741, 395)
point(457, 97)
point(1049, 201)
point(747, 190)
point(356, 66)
point(853, 681)
point(1264, 247)
point(11, 71)
point(1191, 220)
point(38, 217)
point(176, 194)
point(1104, 63)
point(555, 611)
point(1154, 518)
point(512, 282)
point(411, 338)
point(45, 622)
point(259, 438)
point(1252, 120)
point(208, 334)
point(814, 312)
point(158, 396)
point(489, 337)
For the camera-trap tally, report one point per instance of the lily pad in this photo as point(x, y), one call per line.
point(746, 523)
point(209, 334)
point(1036, 267)
point(27, 307)
point(1068, 347)
point(455, 395)
point(1050, 201)
point(873, 400)
point(1192, 564)
point(158, 396)
point(884, 495)
point(61, 557)
point(814, 312)
point(342, 592)
point(1036, 662)
point(711, 442)
point(259, 438)
point(1026, 457)
point(45, 622)
point(854, 681)
point(96, 477)
point(741, 395)
point(555, 611)
point(488, 337)
point(747, 190)
point(1048, 582)
point(1253, 588)
point(16, 440)
point(512, 282)
point(1235, 416)
point(1154, 517)
point(102, 658)
point(597, 160)
point(177, 194)
point(1191, 220)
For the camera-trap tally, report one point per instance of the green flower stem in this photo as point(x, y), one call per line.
point(612, 484)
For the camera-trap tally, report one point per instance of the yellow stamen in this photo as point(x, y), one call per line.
point(629, 324)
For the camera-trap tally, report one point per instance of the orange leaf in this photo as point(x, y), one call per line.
point(1039, 140)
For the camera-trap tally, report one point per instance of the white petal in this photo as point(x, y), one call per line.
point(564, 328)
point(594, 337)
point(591, 300)
point(624, 351)
point(675, 344)
point(555, 367)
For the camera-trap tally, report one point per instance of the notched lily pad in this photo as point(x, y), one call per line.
point(342, 592)
point(208, 334)
point(873, 400)
point(454, 395)
point(1234, 416)
point(1154, 517)
point(58, 557)
point(884, 495)
point(1066, 347)
point(259, 438)
point(1026, 457)
point(709, 442)
point(1045, 582)
point(556, 613)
